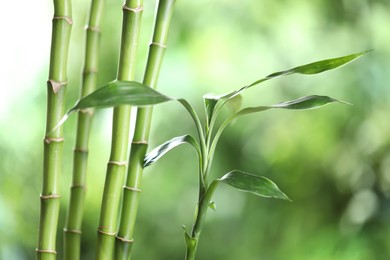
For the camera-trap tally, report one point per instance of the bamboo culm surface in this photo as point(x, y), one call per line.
point(116, 168)
point(73, 225)
point(139, 145)
point(53, 141)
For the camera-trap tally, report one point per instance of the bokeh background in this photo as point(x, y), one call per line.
point(334, 163)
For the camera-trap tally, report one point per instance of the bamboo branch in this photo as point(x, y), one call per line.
point(72, 230)
point(116, 168)
point(53, 142)
point(139, 145)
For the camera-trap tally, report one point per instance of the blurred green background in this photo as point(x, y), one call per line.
point(334, 163)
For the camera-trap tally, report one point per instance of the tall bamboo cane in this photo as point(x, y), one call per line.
point(72, 230)
point(132, 14)
point(141, 135)
point(53, 142)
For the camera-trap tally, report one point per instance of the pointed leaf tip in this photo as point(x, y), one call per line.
point(324, 65)
point(257, 185)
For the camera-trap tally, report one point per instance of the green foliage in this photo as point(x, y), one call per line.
point(136, 94)
point(159, 151)
point(118, 93)
point(341, 151)
point(257, 185)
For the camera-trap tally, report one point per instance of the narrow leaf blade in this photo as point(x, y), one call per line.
point(164, 148)
point(303, 103)
point(118, 93)
point(307, 69)
point(324, 65)
point(257, 185)
point(307, 102)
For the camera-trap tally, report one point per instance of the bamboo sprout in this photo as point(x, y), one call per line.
point(72, 230)
point(139, 145)
point(53, 142)
point(132, 14)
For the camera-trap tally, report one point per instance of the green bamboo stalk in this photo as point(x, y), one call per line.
point(72, 230)
point(53, 142)
point(139, 145)
point(200, 215)
point(116, 169)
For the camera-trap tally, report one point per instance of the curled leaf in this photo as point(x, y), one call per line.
point(161, 150)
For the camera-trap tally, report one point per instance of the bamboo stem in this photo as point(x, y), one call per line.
point(202, 207)
point(132, 14)
point(132, 189)
point(53, 142)
point(72, 230)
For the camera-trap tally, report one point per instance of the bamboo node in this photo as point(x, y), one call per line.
point(86, 111)
point(117, 163)
point(51, 196)
point(137, 9)
point(140, 142)
point(74, 231)
point(80, 150)
point(158, 44)
point(132, 189)
point(90, 71)
point(105, 233)
point(66, 18)
point(92, 28)
point(46, 251)
point(78, 186)
point(125, 240)
point(56, 85)
point(48, 140)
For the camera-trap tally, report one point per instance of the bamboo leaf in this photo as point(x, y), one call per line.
point(303, 103)
point(321, 66)
point(234, 103)
point(210, 101)
point(307, 69)
point(118, 93)
point(161, 150)
point(257, 185)
point(308, 102)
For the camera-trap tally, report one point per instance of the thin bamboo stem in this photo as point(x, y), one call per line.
point(132, 14)
point(139, 145)
point(200, 215)
point(53, 142)
point(72, 230)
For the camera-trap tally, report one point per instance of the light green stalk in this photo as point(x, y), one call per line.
point(72, 230)
point(116, 169)
point(141, 135)
point(53, 142)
